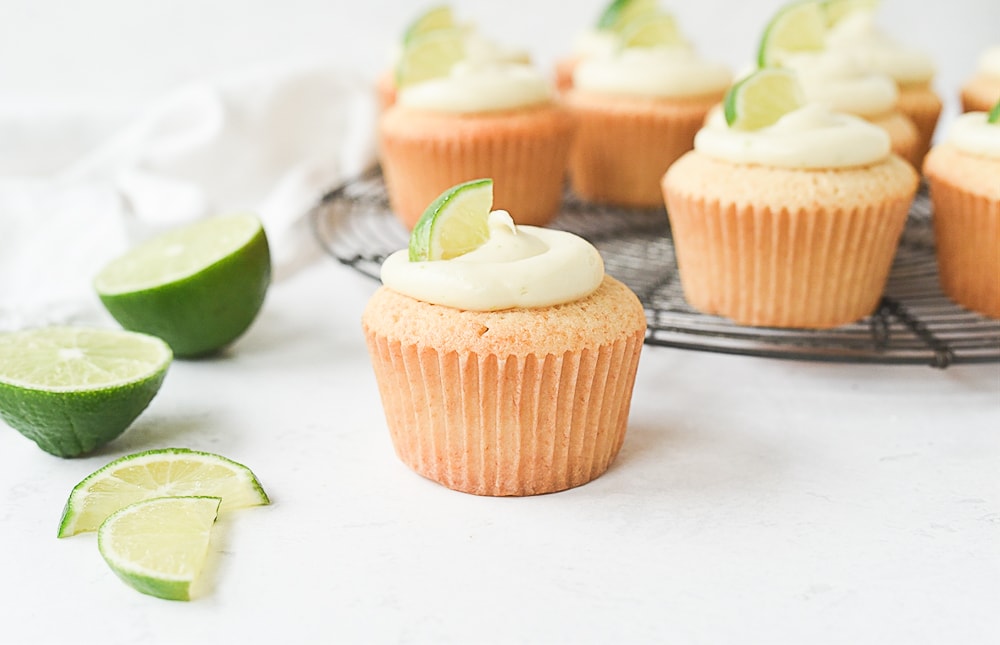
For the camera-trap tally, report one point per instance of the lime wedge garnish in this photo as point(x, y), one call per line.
point(762, 98)
point(71, 390)
point(158, 546)
point(455, 223)
point(994, 115)
point(837, 10)
point(197, 287)
point(619, 12)
point(440, 17)
point(166, 472)
point(651, 30)
point(797, 27)
point(430, 55)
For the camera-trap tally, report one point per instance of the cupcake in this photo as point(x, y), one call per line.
point(845, 85)
point(637, 110)
point(791, 221)
point(857, 35)
point(477, 47)
point(507, 370)
point(497, 120)
point(981, 91)
point(963, 174)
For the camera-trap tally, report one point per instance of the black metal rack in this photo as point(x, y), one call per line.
point(914, 324)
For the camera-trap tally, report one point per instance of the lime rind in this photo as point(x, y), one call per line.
point(797, 27)
point(457, 218)
point(760, 99)
point(128, 479)
point(172, 532)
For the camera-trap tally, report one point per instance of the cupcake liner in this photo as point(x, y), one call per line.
point(923, 107)
point(816, 264)
point(520, 402)
point(967, 240)
point(524, 151)
point(623, 146)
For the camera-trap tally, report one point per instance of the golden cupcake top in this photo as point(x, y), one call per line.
point(465, 256)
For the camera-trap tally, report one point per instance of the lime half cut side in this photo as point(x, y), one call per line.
point(837, 10)
point(73, 389)
point(651, 30)
point(158, 546)
point(198, 287)
point(454, 223)
point(163, 472)
point(797, 27)
point(762, 98)
point(430, 55)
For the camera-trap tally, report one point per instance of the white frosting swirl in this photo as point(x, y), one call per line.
point(857, 34)
point(652, 71)
point(971, 133)
point(841, 82)
point(519, 266)
point(595, 42)
point(989, 62)
point(479, 87)
point(810, 137)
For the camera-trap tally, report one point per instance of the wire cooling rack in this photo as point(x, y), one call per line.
point(914, 323)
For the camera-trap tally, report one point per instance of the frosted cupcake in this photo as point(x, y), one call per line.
point(637, 111)
point(792, 223)
point(964, 177)
point(842, 83)
point(981, 91)
point(509, 369)
point(477, 46)
point(497, 120)
point(856, 34)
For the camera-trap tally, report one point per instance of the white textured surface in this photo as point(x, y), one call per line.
point(753, 501)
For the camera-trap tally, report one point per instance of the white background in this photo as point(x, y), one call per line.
point(102, 60)
point(754, 500)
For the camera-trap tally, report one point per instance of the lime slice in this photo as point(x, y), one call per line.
point(619, 12)
point(455, 223)
point(158, 546)
point(197, 287)
point(994, 115)
point(73, 389)
point(440, 17)
point(762, 98)
point(158, 473)
point(430, 55)
point(837, 10)
point(797, 27)
point(651, 30)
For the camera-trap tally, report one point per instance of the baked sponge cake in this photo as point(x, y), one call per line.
point(507, 370)
point(788, 218)
point(963, 173)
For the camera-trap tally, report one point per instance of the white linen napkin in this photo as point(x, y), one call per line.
point(269, 141)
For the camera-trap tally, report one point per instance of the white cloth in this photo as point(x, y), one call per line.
point(270, 142)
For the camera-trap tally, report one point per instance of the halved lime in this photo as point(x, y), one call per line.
point(430, 55)
point(651, 30)
point(994, 115)
point(163, 472)
point(837, 10)
point(158, 546)
point(619, 12)
point(197, 287)
point(797, 27)
point(762, 98)
point(455, 223)
point(73, 389)
point(440, 17)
